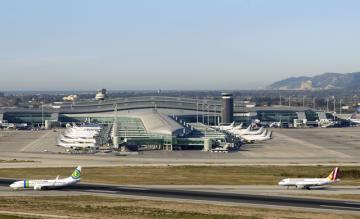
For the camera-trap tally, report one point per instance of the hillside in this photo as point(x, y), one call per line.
point(320, 82)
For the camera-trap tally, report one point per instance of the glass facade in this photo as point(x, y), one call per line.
point(263, 115)
point(30, 118)
point(311, 115)
point(277, 116)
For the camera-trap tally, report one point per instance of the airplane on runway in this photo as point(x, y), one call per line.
point(48, 184)
point(307, 183)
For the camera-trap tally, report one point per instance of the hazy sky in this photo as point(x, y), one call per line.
point(168, 44)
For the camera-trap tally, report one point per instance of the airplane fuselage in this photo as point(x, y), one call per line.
point(42, 184)
point(305, 183)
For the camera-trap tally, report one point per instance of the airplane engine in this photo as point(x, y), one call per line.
point(300, 186)
point(37, 187)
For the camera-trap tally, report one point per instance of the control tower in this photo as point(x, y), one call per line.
point(227, 108)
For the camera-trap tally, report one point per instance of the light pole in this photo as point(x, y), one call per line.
point(197, 111)
point(289, 101)
point(208, 116)
point(214, 122)
point(334, 109)
point(314, 102)
point(327, 104)
point(42, 114)
point(280, 101)
point(304, 101)
point(340, 106)
point(203, 116)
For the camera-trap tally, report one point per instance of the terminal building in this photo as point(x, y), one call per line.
point(160, 122)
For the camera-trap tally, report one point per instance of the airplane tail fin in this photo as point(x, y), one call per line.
point(232, 124)
point(77, 173)
point(334, 175)
point(264, 133)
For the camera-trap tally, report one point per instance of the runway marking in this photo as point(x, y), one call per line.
point(101, 191)
point(344, 207)
point(314, 146)
point(352, 203)
point(36, 141)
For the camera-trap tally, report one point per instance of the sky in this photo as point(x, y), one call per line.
point(171, 45)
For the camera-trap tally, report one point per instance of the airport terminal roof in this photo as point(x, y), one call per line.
point(155, 121)
point(158, 123)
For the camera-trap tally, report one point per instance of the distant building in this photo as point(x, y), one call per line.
point(100, 94)
point(2, 94)
point(306, 85)
point(70, 98)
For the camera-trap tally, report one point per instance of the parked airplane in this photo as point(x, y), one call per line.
point(241, 131)
point(76, 140)
point(71, 133)
point(238, 127)
point(48, 184)
point(266, 135)
point(354, 120)
point(247, 131)
point(225, 127)
point(76, 145)
point(87, 127)
point(307, 183)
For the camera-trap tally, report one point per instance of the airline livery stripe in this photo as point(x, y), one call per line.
point(335, 174)
point(26, 183)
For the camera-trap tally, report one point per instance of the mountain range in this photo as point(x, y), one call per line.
point(324, 81)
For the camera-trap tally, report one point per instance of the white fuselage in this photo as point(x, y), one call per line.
point(224, 128)
point(356, 121)
point(262, 137)
point(80, 134)
point(74, 140)
point(247, 131)
point(306, 182)
point(79, 137)
point(77, 144)
point(43, 184)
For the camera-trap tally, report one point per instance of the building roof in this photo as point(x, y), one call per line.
point(154, 121)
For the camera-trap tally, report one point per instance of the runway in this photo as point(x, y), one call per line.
point(216, 196)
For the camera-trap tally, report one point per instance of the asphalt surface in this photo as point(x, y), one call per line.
point(184, 194)
point(288, 147)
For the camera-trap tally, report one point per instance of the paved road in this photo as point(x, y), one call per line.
point(223, 197)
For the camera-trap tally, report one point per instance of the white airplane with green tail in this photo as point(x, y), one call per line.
point(48, 184)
